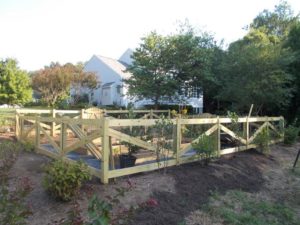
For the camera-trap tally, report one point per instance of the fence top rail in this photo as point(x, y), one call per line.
point(94, 122)
point(136, 111)
point(48, 111)
point(150, 122)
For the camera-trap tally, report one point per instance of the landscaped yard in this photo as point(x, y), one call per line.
point(242, 188)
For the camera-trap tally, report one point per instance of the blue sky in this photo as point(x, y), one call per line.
point(36, 32)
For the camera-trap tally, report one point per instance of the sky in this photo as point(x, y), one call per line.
point(38, 32)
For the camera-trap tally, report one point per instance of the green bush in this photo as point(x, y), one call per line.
point(63, 180)
point(206, 147)
point(262, 140)
point(290, 134)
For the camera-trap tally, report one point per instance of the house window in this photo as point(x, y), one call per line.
point(119, 89)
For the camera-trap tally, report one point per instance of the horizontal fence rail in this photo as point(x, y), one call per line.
point(99, 141)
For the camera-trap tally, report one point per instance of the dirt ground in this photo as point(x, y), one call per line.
point(176, 195)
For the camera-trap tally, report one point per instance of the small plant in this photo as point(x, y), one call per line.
point(13, 210)
point(291, 134)
point(262, 140)
point(99, 211)
point(28, 146)
point(206, 147)
point(163, 130)
point(63, 180)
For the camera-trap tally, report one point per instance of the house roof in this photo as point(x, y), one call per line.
point(108, 84)
point(115, 65)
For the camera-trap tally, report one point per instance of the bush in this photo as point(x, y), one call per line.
point(206, 147)
point(262, 140)
point(291, 134)
point(63, 180)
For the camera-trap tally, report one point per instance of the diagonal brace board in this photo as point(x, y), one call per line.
point(207, 133)
point(52, 142)
point(131, 140)
point(232, 134)
point(265, 124)
point(28, 131)
point(84, 141)
point(274, 128)
point(91, 146)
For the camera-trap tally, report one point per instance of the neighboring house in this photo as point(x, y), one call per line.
point(112, 91)
point(110, 73)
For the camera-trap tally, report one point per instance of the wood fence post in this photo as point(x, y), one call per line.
point(151, 113)
point(17, 128)
point(178, 139)
point(219, 135)
point(53, 113)
point(105, 151)
point(82, 117)
point(37, 133)
point(282, 126)
point(247, 131)
point(169, 114)
point(63, 137)
point(21, 128)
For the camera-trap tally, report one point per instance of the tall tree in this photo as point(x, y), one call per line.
point(293, 43)
point(254, 72)
point(167, 66)
point(54, 81)
point(275, 23)
point(151, 71)
point(14, 83)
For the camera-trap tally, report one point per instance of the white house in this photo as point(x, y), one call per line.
point(112, 91)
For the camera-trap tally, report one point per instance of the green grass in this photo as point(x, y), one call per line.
point(240, 208)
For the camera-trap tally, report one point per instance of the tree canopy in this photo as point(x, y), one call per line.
point(165, 66)
point(54, 81)
point(14, 83)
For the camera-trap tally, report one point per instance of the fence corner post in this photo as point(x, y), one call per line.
point(37, 133)
point(219, 135)
point(178, 139)
point(105, 151)
point(17, 127)
point(63, 137)
point(53, 123)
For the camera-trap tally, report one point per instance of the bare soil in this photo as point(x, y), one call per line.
point(177, 194)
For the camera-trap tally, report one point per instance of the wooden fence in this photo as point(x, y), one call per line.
point(99, 141)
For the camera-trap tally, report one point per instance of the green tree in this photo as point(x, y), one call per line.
point(293, 44)
point(14, 83)
point(254, 72)
point(151, 72)
point(277, 23)
point(166, 67)
point(54, 81)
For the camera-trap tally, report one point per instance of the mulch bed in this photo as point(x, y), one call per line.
point(195, 184)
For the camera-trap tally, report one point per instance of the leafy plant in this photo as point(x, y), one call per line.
point(13, 210)
point(99, 211)
point(63, 180)
point(163, 130)
point(291, 134)
point(262, 140)
point(206, 147)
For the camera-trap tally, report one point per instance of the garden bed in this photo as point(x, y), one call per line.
point(176, 196)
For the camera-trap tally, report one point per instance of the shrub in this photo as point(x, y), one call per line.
point(290, 134)
point(262, 140)
point(63, 180)
point(206, 147)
